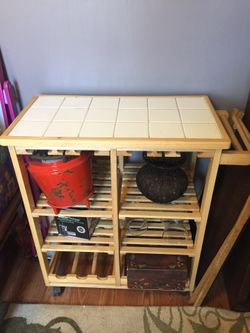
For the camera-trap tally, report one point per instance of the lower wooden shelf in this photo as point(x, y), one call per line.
point(83, 269)
point(93, 270)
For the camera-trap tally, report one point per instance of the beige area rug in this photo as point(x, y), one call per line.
point(35, 318)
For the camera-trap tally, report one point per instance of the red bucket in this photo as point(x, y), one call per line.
point(64, 183)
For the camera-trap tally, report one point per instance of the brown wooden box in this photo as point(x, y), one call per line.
point(149, 271)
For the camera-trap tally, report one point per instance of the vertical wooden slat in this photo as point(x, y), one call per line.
point(240, 115)
point(24, 186)
point(225, 120)
point(205, 206)
point(121, 163)
point(244, 129)
point(94, 262)
point(115, 208)
point(242, 132)
point(75, 263)
point(54, 260)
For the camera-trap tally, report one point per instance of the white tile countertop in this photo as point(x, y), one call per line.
point(182, 118)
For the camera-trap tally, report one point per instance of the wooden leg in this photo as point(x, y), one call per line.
point(115, 213)
point(205, 205)
point(24, 186)
point(216, 264)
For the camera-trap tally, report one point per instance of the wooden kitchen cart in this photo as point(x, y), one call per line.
point(113, 128)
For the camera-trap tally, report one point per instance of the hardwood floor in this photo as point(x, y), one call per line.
point(21, 282)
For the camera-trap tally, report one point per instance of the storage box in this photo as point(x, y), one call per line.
point(149, 271)
point(80, 227)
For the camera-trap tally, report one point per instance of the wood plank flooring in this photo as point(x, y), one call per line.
point(21, 281)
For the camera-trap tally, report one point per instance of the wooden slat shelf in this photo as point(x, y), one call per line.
point(103, 228)
point(71, 240)
point(96, 202)
point(155, 235)
point(157, 242)
point(135, 205)
point(182, 200)
point(81, 269)
point(71, 212)
point(60, 152)
point(141, 205)
point(76, 247)
point(157, 250)
point(161, 233)
point(101, 240)
point(164, 215)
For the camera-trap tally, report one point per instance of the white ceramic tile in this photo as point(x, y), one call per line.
point(63, 129)
point(201, 131)
point(97, 130)
point(170, 116)
point(162, 103)
point(165, 130)
point(99, 115)
point(39, 114)
point(104, 103)
point(192, 103)
point(48, 101)
point(133, 103)
point(131, 130)
point(197, 116)
point(76, 102)
point(29, 128)
point(70, 114)
point(130, 115)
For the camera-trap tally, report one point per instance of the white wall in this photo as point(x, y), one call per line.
point(129, 47)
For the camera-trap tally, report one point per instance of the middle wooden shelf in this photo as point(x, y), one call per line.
point(102, 240)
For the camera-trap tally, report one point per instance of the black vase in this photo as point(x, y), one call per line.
point(161, 180)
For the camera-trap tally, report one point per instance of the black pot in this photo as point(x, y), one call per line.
point(162, 182)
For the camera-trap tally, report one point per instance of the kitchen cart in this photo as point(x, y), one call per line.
point(114, 127)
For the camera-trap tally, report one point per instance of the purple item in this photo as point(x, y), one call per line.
point(2, 101)
point(1, 72)
point(4, 111)
point(2, 98)
point(10, 97)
